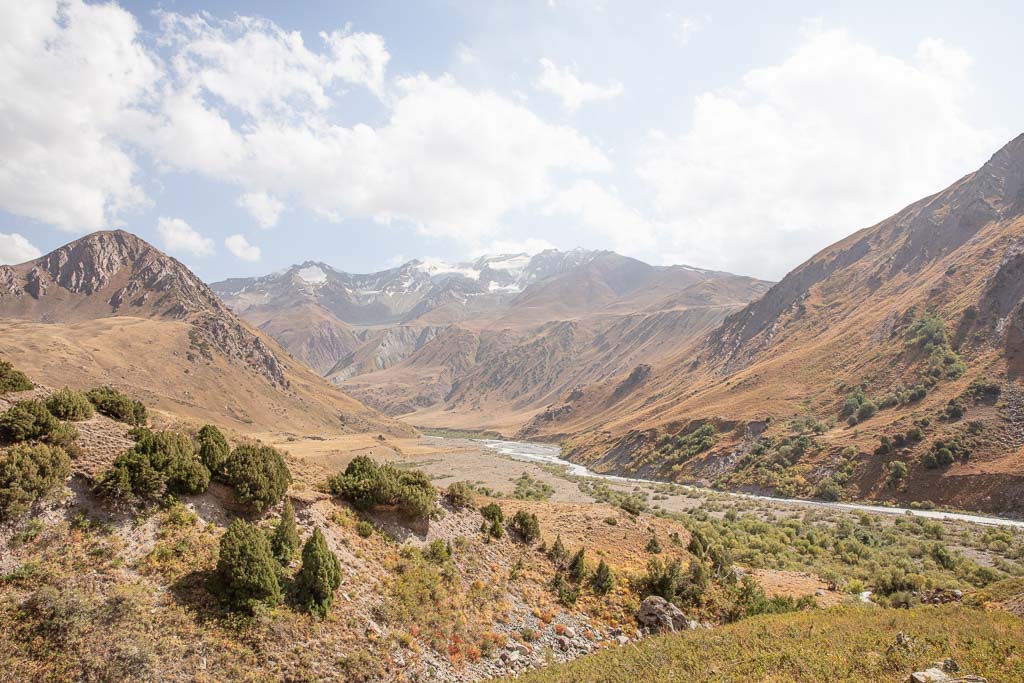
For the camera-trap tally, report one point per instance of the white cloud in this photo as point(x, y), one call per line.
point(240, 247)
point(530, 245)
point(14, 249)
point(263, 208)
point(605, 213)
point(72, 74)
point(180, 237)
point(563, 82)
point(835, 138)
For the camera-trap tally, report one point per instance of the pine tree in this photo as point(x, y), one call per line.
point(286, 535)
point(653, 546)
point(247, 573)
point(578, 565)
point(558, 553)
point(603, 580)
point(319, 576)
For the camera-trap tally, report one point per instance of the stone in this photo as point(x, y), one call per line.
point(621, 640)
point(929, 676)
point(570, 633)
point(563, 642)
point(658, 614)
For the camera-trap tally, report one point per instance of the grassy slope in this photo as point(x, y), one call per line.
point(843, 644)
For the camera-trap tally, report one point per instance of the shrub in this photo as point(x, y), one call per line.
point(364, 529)
point(526, 525)
point(247, 573)
point(437, 552)
point(954, 410)
point(29, 473)
point(68, 404)
point(866, 410)
point(492, 513)
point(27, 420)
point(366, 484)
point(158, 463)
point(213, 449)
point(558, 554)
point(64, 435)
point(258, 474)
point(603, 580)
point(661, 579)
point(319, 576)
point(460, 495)
point(12, 380)
point(652, 545)
point(897, 472)
point(578, 565)
point(286, 535)
point(117, 406)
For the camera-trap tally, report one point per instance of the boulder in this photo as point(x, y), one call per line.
point(658, 614)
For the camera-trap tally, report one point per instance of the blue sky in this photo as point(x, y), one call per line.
point(244, 137)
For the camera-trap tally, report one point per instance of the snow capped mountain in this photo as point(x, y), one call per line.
point(401, 293)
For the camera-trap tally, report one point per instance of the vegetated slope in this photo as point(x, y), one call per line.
point(110, 308)
point(486, 344)
point(925, 308)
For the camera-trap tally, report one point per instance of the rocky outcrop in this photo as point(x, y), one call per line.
point(661, 616)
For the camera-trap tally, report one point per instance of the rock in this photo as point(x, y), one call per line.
point(621, 640)
point(658, 614)
point(932, 675)
point(820, 592)
point(563, 642)
point(570, 633)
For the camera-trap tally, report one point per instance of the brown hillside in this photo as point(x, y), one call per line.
point(849, 318)
point(110, 308)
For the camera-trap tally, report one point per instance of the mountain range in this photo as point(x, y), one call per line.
point(486, 343)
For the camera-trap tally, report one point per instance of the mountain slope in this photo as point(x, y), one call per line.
point(111, 308)
point(928, 300)
point(489, 343)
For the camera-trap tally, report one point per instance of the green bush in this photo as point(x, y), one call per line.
point(286, 535)
point(898, 471)
point(557, 553)
point(247, 573)
point(319, 576)
point(526, 525)
point(29, 473)
point(652, 545)
point(492, 513)
point(117, 406)
point(68, 404)
point(27, 421)
point(258, 474)
point(437, 552)
point(866, 410)
point(364, 529)
point(366, 484)
point(603, 580)
point(460, 495)
point(158, 463)
point(213, 449)
point(13, 380)
point(662, 579)
point(578, 566)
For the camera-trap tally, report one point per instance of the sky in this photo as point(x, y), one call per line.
point(243, 137)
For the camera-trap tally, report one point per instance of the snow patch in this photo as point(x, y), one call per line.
point(314, 275)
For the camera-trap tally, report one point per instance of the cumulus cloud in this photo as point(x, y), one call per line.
point(263, 208)
point(73, 74)
point(604, 212)
point(563, 82)
point(14, 248)
point(834, 138)
point(239, 246)
point(179, 237)
point(530, 245)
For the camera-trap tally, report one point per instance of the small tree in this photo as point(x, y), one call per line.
point(286, 535)
point(12, 380)
point(460, 495)
point(27, 421)
point(653, 546)
point(526, 525)
point(558, 554)
point(247, 573)
point(492, 512)
point(29, 473)
point(603, 580)
point(897, 472)
point(213, 449)
point(319, 576)
point(258, 474)
point(68, 404)
point(117, 406)
point(578, 565)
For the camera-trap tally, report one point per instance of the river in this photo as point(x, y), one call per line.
point(551, 455)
